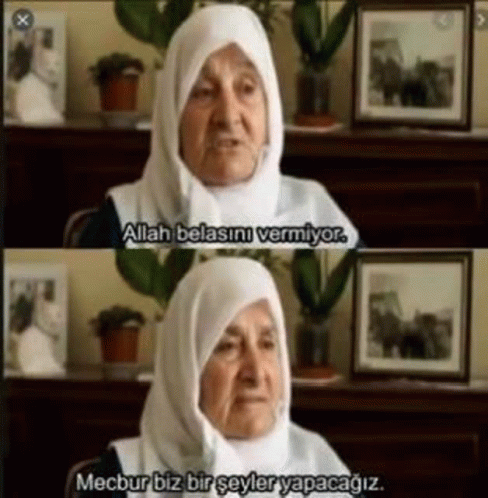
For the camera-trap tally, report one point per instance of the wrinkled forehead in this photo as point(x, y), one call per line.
point(203, 63)
point(230, 57)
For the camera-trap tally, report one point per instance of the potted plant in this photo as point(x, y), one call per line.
point(118, 328)
point(318, 39)
point(117, 75)
point(318, 297)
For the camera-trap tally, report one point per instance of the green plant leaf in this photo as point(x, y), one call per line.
point(113, 65)
point(306, 26)
point(335, 33)
point(178, 262)
point(145, 21)
point(138, 268)
point(114, 318)
point(335, 284)
point(141, 269)
point(305, 269)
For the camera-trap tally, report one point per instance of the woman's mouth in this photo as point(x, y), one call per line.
point(225, 143)
point(251, 399)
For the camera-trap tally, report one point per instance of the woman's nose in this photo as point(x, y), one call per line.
point(251, 368)
point(226, 112)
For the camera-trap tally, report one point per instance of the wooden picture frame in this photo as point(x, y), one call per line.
point(401, 80)
point(411, 315)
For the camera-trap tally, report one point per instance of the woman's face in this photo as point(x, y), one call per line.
point(223, 125)
point(240, 386)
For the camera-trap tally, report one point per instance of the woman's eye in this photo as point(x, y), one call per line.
point(202, 92)
point(269, 345)
point(248, 88)
point(224, 347)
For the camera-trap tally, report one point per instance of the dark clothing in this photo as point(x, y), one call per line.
point(104, 228)
point(109, 466)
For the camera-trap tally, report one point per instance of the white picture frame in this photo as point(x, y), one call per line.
point(50, 30)
point(26, 282)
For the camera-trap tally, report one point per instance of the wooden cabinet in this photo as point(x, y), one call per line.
point(422, 441)
point(401, 189)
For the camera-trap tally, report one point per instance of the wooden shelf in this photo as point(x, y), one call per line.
point(400, 188)
point(390, 144)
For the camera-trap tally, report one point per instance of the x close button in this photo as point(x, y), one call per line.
point(23, 19)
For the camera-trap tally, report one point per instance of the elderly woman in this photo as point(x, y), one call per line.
point(217, 142)
point(220, 400)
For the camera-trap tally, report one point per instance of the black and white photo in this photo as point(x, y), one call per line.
point(402, 79)
point(35, 318)
point(412, 314)
point(35, 68)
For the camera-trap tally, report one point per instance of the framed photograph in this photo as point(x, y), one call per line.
point(35, 317)
point(412, 315)
point(34, 55)
point(413, 64)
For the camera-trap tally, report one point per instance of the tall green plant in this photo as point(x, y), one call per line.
point(317, 299)
point(152, 21)
point(155, 21)
point(145, 274)
point(141, 269)
point(319, 42)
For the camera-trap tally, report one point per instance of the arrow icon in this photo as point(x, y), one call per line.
point(481, 19)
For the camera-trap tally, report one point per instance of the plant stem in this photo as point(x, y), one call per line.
point(325, 270)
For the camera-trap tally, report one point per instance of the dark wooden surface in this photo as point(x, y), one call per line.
point(422, 441)
point(400, 188)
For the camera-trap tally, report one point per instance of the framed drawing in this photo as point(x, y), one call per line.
point(36, 55)
point(35, 318)
point(413, 64)
point(412, 315)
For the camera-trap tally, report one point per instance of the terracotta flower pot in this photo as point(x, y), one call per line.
point(119, 93)
point(120, 345)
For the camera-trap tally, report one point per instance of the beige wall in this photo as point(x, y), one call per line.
point(94, 284)
point(93, 31)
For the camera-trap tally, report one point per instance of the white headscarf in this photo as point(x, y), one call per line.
point(175, 434)
point(169, 193)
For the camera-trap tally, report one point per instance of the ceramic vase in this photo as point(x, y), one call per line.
point(312, 342)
